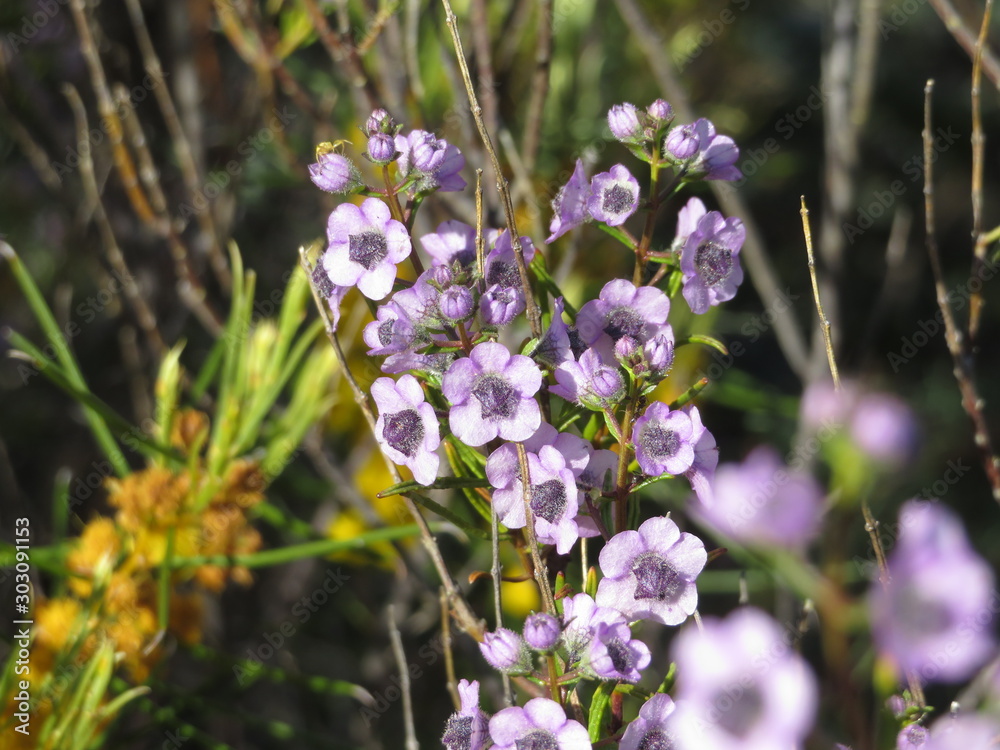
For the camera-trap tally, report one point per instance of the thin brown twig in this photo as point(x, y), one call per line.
point(143, 313)
point(479, 23)
point(36, 154)
point(823, 320)
point(978, 145)
point(540, 569)
point(539, 87)
point(460, 608)
point(966, 39)
point(179, 140)
point(404, 680)
point(532, 311)
point(961, 359)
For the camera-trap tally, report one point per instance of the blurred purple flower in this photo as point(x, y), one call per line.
point(883, 427)
point(697, 150)
point(329, 291)
point(500, 265)
point(366, 243)
point(589, 382)
point(491, 393)
point(664, 440)
point(407, 428)
point(506, 651)
point(380, 121)
point(963, 732)
point(614, 196)
point(334, 173)
point(542, 631)
point(650, 573)
point(623, 310)
point(452, 241)
point(615, 655)
point(468, 728)
point(651, 730)
point(741, 685)
point(540, 725)
point(935, 616)
point(762, 502)
point(710, 261)
point(569, 209)
point(913, 737)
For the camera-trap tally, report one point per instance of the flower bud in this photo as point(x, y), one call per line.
point(333, 172)
point(456, 303)
point(542, 631)
point(623, 120)
point(381, 148)
point(506, 652)
point(427, 154)
point(380, 121)
point(659, 355)
point(661, 112)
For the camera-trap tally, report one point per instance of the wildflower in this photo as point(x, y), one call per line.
point(930, 617)
point(622, 310)
point(381, 149)
point(506, 651)
point(581, 618)
point(553, 498)
point(540, 725)
point(615, 655)
point(501, 263)
point(560, 342)
point(491, 392)
point(329, 291)
point(456, 304)
point(700, 153)
point(500, 305)
point(884, 428)
point(706, 456)
point(651, 730)
point(660, 112)
point(365, 246)
point(710, 263)
point(614, 196)
point(589, 382)
point(467, 729)
point(432, 162)
point(391, 332)
point(452, 242)
point(963, 731)
point(407, 428)
point(542, 631)
point(623, 121)
point(912, 737)
point(380, 121)
point(650, 573)
point(762, 502)
point(334, 172)
point(740, 685)
point(663, 440)
point(658, 356)
point(569, 209)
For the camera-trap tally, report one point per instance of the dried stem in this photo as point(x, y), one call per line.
point(540, 570)
point(144, 315)
point(823, 320)
point(957, 28)
point(539, 86)
point(961, 359)
point(344, 53)
point(978, 143)
point(534, 316)
point(487, 88)
point(404, 680)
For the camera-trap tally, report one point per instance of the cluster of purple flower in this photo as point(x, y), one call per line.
point(741, 684)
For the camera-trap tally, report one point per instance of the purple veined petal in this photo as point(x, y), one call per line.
point(523, 426)
point(616, 557)
point(491, 356)
point(508, 725)
point(459, 380)
point(377, 284)
point(468, 425)
point(545, 714)
point(659, 534)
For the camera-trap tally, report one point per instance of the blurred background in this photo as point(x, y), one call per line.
point(221, 106)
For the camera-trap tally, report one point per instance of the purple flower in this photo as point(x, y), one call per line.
point(762, 502)
point(706, 456)
point(664, 440)
point(540, 725)
point(329, 291)
point(381, 149)
point(500, 305)
point(420, 301)
point(365, 246)
point(391, 332)
point(883, 427)
point(741, 685)
point(407, 428)
point(542, 631)
point(500, 265)
point(658, 356)
point(650, 573)
point(615, 655)
point(962, 732)
point(687, 222)
point(506, 652)
point(913, 737)
point(432, 162)
point(934, 618)
point(553, 499)
point(560, 342)
point(452, 242)
point(589, 382)
point(623, 121)
point(661, 112)
point(614, 196)
point(710, 263)
point(623, 310)
point(651, 730)
point(697, 150)
point(334, 173)
point(491, 392)
point(569, 209)
point(380, 121)
point(581, 618)
point(456, 303)
point(467, 729)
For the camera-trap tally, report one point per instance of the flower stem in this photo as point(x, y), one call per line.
point(624, 456)
point(647, 233)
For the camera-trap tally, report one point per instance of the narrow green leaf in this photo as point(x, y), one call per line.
point(706, 340)
point(598, 706)
point(443, 483)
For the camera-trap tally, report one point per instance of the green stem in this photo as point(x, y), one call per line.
point(624, 457)
point(647, 233)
